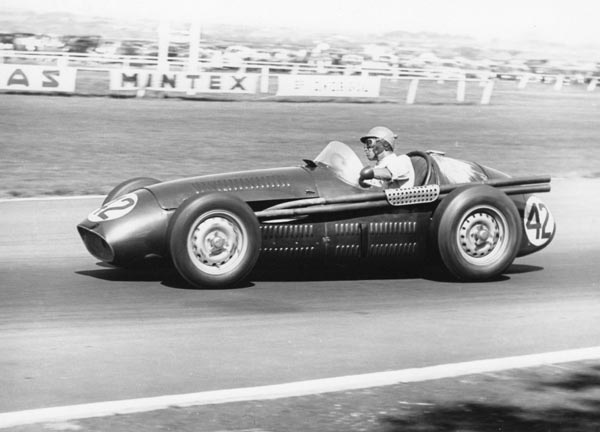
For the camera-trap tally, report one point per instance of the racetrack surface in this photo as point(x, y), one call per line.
point(73, 331)
point(76, 332)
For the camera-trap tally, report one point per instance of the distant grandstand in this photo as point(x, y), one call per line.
point(78, 41)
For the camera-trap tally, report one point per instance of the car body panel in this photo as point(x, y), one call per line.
point(131, 227)
point(252, 186)
point(136, 225)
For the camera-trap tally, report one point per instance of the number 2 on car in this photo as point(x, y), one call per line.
point(114, 209)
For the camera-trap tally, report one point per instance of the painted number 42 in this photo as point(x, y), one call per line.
point(538, 222)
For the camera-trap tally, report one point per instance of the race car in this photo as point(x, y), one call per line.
point(471, 219)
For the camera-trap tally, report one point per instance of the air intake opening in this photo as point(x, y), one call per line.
point(96, 245)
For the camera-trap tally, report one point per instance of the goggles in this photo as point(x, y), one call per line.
point(370, 142)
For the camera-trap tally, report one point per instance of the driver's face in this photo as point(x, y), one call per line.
point(370, 153)
point(370, 148)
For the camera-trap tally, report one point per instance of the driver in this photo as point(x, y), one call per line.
point(391, 170)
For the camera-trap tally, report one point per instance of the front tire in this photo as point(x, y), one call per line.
point(477, 232)
point(214, 240)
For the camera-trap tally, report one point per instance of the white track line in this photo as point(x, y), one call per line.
point(50, 198)
point(302, 388)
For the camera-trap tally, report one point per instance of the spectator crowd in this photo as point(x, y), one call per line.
point(504, 65)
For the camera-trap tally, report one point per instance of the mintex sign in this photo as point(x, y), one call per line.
point(37, 78)
point(138, 79)
point(325, 85)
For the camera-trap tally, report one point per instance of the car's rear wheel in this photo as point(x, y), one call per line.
point(214, 240)
point(129, 186)
point(477, 232)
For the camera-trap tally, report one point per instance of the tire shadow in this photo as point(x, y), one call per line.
point(163, 271)
point(523, 268)
point(150, 270)
point(309, 272)
point(166, 276)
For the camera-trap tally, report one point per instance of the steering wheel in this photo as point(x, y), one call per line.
point(422, 179)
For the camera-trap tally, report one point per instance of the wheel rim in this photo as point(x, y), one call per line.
point(217, 242)
point(482, 235)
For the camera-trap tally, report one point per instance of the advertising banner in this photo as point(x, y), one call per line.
point(328, 85)
point(37, 78)
point(203, 82)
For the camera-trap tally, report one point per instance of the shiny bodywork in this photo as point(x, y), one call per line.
point(400, 233)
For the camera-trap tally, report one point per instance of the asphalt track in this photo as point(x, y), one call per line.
point(74, 332)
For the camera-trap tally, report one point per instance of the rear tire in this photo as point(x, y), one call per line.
point(128, 186)
point(477, 232)
point(214, 240)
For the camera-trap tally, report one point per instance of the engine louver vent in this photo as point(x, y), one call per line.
point(393, 249)
point(250, 183)
point(385, 228)
point(286, 231)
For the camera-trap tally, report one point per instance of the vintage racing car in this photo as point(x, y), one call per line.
point(472, 219)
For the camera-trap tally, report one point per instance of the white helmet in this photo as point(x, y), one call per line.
point(382, 133)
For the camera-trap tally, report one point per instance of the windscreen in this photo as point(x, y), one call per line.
point(340, 158)
point(454, 171)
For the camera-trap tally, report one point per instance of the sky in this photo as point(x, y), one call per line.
point(573, 21)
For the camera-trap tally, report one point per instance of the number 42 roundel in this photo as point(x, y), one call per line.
point(539, 222)
point(114, 209)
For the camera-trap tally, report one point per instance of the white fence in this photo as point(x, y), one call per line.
point(265, 70)
point(93, 61)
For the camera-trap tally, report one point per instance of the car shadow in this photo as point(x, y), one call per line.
point(167, 275)
point(523, 268)
point(163, 271)
point(149, 270)
point(311, 271)
point(436, 273)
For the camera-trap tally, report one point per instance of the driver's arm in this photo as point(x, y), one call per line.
point(381, 173)
point(398, 169)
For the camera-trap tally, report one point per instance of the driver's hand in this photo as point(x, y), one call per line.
point(363, 183)
point(367, 173)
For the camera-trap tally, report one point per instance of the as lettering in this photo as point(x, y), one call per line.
point(49, 75)
point(18, 77)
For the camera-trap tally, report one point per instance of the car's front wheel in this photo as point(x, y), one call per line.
point(477, 232)
point(214, 240)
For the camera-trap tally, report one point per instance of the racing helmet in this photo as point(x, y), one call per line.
point(380, 133)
